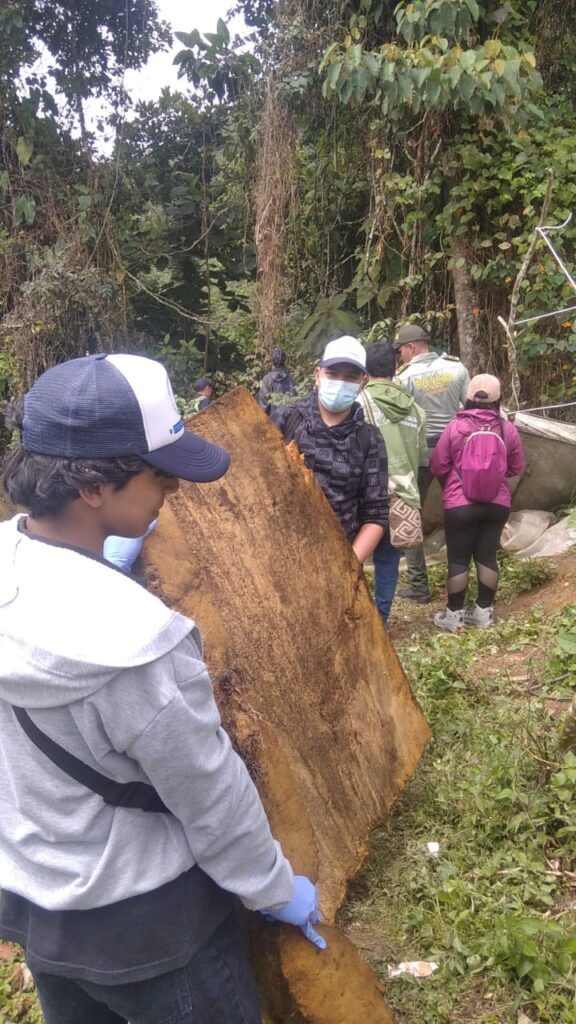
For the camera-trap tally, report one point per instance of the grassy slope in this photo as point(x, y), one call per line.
point(496, 910)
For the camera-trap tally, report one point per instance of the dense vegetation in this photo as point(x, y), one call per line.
point(357, 163)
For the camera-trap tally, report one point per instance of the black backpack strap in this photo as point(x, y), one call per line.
point(291, 423)
point(364, 435)
point(138, 795)
point(364, 431)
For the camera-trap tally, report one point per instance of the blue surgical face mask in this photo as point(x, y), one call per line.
point(337, 395)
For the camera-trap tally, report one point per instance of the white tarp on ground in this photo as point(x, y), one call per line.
point(554, 541)
point(525, 528)
point(530, 533)
point(539, 426)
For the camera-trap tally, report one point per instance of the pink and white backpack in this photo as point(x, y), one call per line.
point(483, 464)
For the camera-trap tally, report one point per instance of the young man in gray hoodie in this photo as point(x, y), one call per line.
point(128, 823)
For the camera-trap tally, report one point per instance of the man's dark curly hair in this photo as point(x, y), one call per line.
point(44, 484)
point(381, 359)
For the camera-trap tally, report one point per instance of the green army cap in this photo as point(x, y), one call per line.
point(410, 332)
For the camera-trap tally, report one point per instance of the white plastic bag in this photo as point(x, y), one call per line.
point(524, 528)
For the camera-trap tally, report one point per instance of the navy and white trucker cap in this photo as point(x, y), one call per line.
point(107, 406)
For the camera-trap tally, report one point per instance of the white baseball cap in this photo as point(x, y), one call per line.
point(344, 350)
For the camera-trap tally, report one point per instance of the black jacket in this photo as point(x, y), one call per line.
point(277, 382)
point(349, 461)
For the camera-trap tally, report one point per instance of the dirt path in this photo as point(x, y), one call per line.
point(553, 595)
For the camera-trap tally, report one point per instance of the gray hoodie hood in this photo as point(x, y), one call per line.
point(83, 632)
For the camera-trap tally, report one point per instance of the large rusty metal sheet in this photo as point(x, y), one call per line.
point(308, 684)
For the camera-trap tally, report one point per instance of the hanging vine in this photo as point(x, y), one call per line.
point(275, 161)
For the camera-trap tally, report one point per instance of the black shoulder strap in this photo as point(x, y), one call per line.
point(137, 795)
point(364, 430)
point(364, 435)
point(369, 420)
point(291, 423)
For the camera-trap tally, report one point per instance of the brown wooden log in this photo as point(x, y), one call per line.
point(308, 684)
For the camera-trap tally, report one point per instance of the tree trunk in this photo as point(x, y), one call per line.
point(81, 120)
point(274, 165)
point(207, 274)
point(472, 349)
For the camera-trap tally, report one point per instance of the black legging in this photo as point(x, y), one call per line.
point(473, 531)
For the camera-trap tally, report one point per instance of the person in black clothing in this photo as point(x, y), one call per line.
point(277, 382)
point(202, 394)
point(346, 454)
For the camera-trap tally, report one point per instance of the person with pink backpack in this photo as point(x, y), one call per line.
point(476, 454)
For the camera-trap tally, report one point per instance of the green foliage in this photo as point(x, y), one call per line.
point(63, 295)
point(24, 210)
point(329, 320)
point(519, 575)
point(453, 173)
point(562, 657)
point(10, 385)
point(495, 203)
point(16, 1005)
point(184, 208)
point(436, 18)
point(213, 65)
point(86, 48)
point(439, 70)
point(59, 281)
point(183, 360)
point(421, 133)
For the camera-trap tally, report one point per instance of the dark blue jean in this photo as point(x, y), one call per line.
point(215, 987)
point(415, 558)
point(386, 570)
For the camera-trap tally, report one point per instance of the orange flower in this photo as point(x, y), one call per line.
point(475, 310)
point(567, 323)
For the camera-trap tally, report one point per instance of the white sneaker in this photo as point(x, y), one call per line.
point(452, 621)
point(481, 617)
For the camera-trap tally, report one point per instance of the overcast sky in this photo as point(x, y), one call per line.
point(183, 17)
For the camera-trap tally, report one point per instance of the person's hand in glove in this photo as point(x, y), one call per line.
point(123, 551)
point(302, 910)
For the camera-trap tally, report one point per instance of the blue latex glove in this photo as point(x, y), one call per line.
point(123, 551)
point(302, 910)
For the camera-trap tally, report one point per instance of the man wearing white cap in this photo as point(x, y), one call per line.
point(346, 454)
